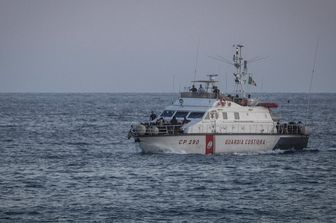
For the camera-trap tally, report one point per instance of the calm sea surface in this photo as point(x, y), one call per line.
point(66, 158)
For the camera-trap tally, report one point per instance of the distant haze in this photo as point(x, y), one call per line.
point(151, 45)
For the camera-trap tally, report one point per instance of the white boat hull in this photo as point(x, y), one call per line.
point(220, 143)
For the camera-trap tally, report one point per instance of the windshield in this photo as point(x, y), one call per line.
point(196, 115)
point(167, 113)
point(181, 114)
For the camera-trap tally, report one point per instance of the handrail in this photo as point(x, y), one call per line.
point(165, 129)
point(283, 128)
point(200, 95)
point(291, 129)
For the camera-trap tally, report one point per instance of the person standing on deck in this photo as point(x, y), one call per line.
point(201, 89)
point(152, 116)
point(193, 89)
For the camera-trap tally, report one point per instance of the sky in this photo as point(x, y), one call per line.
point(152, 45)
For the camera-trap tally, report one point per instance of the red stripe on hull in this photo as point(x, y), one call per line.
point(209, 144)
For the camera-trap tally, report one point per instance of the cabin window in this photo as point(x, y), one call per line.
point(181, 114)
point(167, 113)
point(211, 115)
point(225, 115)
point(236, 115)
point(196, 115)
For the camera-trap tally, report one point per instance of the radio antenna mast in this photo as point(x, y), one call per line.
point(311, 81)
point(239, 74)
point(196, 62)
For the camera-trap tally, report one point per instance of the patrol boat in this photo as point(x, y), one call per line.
point(206, 121)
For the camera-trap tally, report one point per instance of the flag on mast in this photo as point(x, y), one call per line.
point(251, 81)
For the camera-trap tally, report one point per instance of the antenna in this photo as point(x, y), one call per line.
point(221, 59)
point(173, 83)
point(226, 82)
point(196, 62)
point(241, 76)
point(256, 59)
point(311, 80)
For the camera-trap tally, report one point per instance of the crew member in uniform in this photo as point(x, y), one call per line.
point(201, 89)
point(193, 89)
point(152, 116)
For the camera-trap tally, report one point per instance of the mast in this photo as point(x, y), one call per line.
point(311, 82)
point(240, 76)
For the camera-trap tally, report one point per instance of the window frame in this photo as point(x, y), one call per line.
point(198, 117)
point(236, 115)
point(172, 114)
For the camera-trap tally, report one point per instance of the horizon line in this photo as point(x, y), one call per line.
point(144, 92)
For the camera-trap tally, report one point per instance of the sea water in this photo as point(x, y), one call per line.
point(66, 158)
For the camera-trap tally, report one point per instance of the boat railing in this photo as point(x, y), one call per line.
point(283, 128)
point(241, 128)
point(290, 128)
point(200, 95)
point(166, 129)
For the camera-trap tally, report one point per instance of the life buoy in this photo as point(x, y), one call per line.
point(181, 101)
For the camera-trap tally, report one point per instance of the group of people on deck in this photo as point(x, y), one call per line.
point(199, 90)
point(174, 121)
point(162, 122)
point(215, 90)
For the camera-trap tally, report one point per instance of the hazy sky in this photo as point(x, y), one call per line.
point(143, 45)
